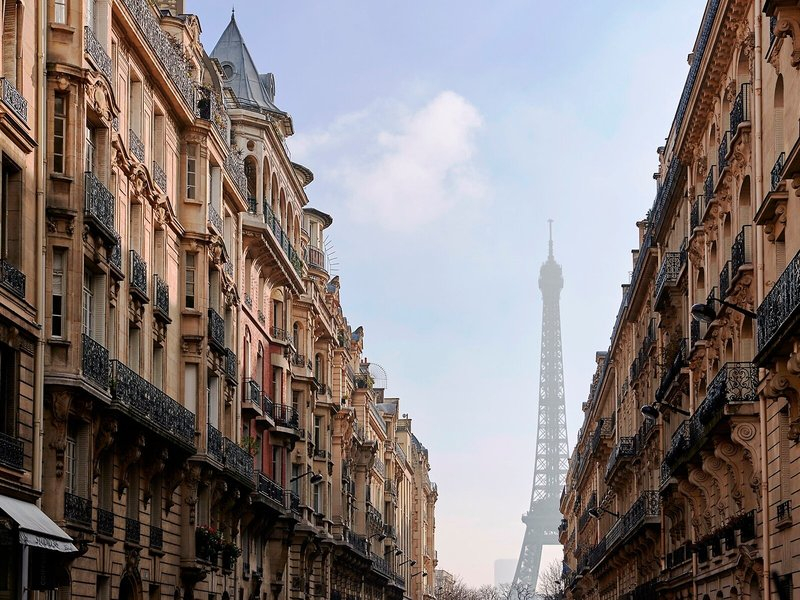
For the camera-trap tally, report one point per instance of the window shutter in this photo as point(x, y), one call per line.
point(780, 258)
point(778, 131)
point(98, 332)
point(82, 463)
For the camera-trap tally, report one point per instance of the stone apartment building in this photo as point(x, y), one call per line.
point(682, 481)
point(187, 410)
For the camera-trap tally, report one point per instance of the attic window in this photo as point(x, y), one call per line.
point(227, 71)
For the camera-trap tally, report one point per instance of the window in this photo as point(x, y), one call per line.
point(189, 277)
point(59, 129)
point(10, 40)
point(296, 337)
point(57, 303)
point(213, 400)
point(317, 501)
point(277, 313)
point(158, 367)
point(91, 149)
point(94, 306)
point(71, 464)
point(318, 367)
point(318, 432)
point(105, 487)
point(156, 503)
point(276, 385)
point(88, 303)
point(91, 14)
point(191, 173)
point(10, 212)
point(260, 365)
point(8, 368)
point(134, 345)
point(295, 478)
point(277, 475)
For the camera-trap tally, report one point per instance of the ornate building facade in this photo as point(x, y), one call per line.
point(680, 485)
point(187, 410)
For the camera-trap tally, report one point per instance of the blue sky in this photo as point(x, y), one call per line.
point(443, 134)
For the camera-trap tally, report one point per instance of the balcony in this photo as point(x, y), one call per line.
point(115, 257)
point(94, 362)
point(623, 451)
point(722, 153)
point(698, 211)
point(77, 509)
point(96, 53)
point(251, 394)
point(741, 251)
point(357, 542)
point(708, 186)
point(105, 523)
point(12, 452)
point(374, 518)
point(14, 100)
point(778, 313)
point(12, 279)
point(673, 364)
point(238, 461)
point(215, 445)
point(156, 538)
point(725, 280)
point(603, 430)
point(668, 273)
point(776, 174)
point(286, 416)
point(214, 219)
point(269, 489)
point(161, 298)
point(283, 240)
point(150, 406)
point(279, 334)
point(138, 273)
point(267, 407)
point(159, 177)
point(316, 258)
point(216, 330)
point(379, 565)
point(231, 367)
point(234, 164)
point(740, 113)
point(211, 108)
point(252, 205)
point(133, 531)
point(784, 513)
point(164, 48)
point(99, 206)
point(136, 145)
point(294, 502)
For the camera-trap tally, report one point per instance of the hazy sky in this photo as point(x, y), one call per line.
point(443, 134)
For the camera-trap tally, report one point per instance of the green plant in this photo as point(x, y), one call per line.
point(250, 444)
point(230, 552)
point(208, 541)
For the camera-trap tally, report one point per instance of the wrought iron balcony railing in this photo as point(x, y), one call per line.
point(741, 253)
point(238, 460)
point(780, 306)
point(133, 531)
point(279, 334)
point(708, 185)
point(12, 452)
point(698, 210)
point(99, 204)
point(156, 538)
point(164, 47)
point(159, 176)
point(669, 271)
point(216, 330)
point(269, 489)
point(214, 218)
point(722, 152)
point(357, 542)
point(775, 176)
point(623, 450)
point(674, 365)
point(234, 164)
point(12, 278)
point(105, 522)
point(252, 204)
point(150, 406)
point(294, 502)
point(214, 444)
point(94, 361)
point(136, 145)
point(211, 108)
point(267, 407)
point(740, 113)
point(380, 565)
point(784, 513)
point(283, 240)
point(14, 100)
point(94, 49)
point(286, 416)
point(231, 366)
point(77, 509)
point(115, 254)
point(252, 392)
point(138, 275)
point(261, 318)
point(161, 296)
point(725, 280)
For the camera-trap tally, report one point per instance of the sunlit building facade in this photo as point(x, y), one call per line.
point(680, 485)
point(209, 427)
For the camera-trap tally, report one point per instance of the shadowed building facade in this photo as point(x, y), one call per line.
point(680, 485)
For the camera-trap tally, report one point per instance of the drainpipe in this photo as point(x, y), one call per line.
point(762, 401)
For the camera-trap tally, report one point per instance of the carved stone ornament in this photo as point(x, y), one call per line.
point(60, 401)
point(131, 456)
point(103, 440)
point(788, 25)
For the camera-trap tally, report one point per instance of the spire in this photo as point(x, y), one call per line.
point(550, 223)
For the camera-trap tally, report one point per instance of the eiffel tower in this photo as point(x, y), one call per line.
point(550, 467)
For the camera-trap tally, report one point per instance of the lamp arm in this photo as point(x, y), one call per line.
point(739, 309)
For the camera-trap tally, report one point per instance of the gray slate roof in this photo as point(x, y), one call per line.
point(249, 87)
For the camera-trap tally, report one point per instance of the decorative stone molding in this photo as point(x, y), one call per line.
point(153, 468)
point(103, 440)
point(131, 456)
point(788, 25)
point(745, 433)
point(60, 401)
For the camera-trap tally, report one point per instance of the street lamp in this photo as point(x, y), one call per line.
point(408, 560)
point(704, 312)
point(651, 411)
point(380, 536)
point(424, 574)
point(595, 511)
point(315, 477)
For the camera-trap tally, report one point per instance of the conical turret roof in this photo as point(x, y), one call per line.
point(241, 74)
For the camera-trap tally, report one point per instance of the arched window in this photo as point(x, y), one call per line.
point(778, 117)
point(246, 357)
point(251, 173)
point(296, 337)
point(259, 374)
point(318, 367)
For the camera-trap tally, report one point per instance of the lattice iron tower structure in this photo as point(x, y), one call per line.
point(550, 466)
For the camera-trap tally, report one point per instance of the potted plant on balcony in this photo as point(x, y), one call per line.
point(208, 543)
point(251, 445)
point(230, 552)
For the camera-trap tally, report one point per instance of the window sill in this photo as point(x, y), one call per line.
point(61, 177)
point(192, 312)
point(62, 27)
point(54, 341)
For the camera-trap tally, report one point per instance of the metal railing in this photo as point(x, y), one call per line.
point(283, 240)
point(133, 531)
point(14, 100)
point(286, 416)
point(740, 113)
point(269, 489)
point(708, 185)
point(216, 330)
point(775, 176)
point(698, 210)
point(267, 407)
point(214, 444)
point(12, 452)
point(741, 253)
point(780, 304)
point(316, 258)
point(115, 254)
point(138, 274)
point(234, 164)
point(722, 152)
point(95, 361)
point(151, 406)
point(676, 363)
point(105, 522)
point(669, 271)
point(159, 176)
point(252, 392)
point(211, 108)
point(160, 296)
point(97, 53)
point(231, 366)
point(77, 509)
point(98, 203)
point(156, 537)
point(214, 218)
point(725, 280)
point(279, 333)
point(136, 145)
point(238, 460)
point(12, 278)
point(623, 450)
point(357, 542)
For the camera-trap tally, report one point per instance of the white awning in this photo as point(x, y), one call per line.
point(36, 528)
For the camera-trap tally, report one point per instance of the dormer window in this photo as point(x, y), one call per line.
point(227, 71)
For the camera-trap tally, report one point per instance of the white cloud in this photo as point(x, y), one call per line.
point(402, 169)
